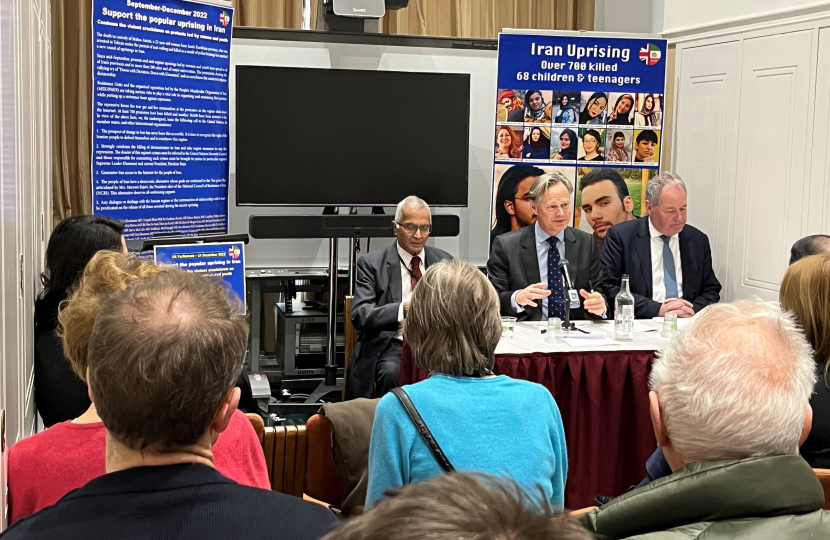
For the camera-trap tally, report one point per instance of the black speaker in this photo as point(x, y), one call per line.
point(396, 4)
point(337, 226)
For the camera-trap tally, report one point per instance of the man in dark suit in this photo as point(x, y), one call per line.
point(524, 264)
point(164, 356)
point(383, 287)
point(669, 263)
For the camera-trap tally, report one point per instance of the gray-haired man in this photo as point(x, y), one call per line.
point(669, 263)
point(383, 286)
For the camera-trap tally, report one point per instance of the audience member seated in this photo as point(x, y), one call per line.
point(46, 466)
point(460, 507)
point(811, 308)
point(59, 394)
point(482, 422)
point(810, 245)
point(805, 292)
point(164, 355)
point(384, 281)
point(729, 404)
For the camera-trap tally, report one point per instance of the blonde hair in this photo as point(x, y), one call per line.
point(106, 273)
point(542, 184)
point(453, 324)
point(805, 291)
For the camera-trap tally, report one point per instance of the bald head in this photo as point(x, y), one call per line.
point(163, 356)
point(810, 245)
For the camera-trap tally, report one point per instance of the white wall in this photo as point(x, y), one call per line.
point(629, 16)
point(757, 182)
point(25, 204)
point(682, 15)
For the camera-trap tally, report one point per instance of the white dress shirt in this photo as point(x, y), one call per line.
point(542, 248)
point(658, 282)
point(406, 283)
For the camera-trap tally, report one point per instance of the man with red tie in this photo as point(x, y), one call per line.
point(383, 286)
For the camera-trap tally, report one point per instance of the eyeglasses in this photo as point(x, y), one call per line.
point(410, 228)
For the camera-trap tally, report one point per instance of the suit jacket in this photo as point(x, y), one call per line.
point(377, 298)
point(181, 502)
point(513, 265)
point(627, 250)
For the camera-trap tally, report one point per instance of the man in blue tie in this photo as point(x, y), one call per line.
point(524, 264)
point(669, 263)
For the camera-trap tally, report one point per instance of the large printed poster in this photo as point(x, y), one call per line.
point(160, 115)
point(573, 104)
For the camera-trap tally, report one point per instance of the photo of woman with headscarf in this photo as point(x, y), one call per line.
point(591, 145)
point(535, 107)
point(593, 111)
point(508, 143)
point(536, 143)
point(623, 112)
point(566, 148)
point(618, 146)
point(511, 102)
point(649, 112)
point(568, 104)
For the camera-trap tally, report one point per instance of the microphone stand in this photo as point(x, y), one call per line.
point(567, 325)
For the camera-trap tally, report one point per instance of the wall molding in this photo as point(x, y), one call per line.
point(735, 25)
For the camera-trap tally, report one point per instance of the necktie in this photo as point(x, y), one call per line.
point(556, 300)
point(416, 271)
point(669, 275)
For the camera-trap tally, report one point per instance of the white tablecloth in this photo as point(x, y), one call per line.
point(528, 338)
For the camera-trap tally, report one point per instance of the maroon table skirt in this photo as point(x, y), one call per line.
point(603, 398)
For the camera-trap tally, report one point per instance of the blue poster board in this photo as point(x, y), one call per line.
point(224, 260)
point(570, 103)
point(160, 115)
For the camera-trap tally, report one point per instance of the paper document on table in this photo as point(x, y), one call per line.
point(589, 340)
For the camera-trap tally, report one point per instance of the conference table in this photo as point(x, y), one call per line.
point(601, 388)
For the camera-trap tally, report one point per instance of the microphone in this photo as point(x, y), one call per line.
point(563, 267)
point(570, 293)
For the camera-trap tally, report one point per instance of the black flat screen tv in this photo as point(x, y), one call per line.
point(337, 137)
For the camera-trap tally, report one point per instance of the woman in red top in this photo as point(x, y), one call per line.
point(46, 466)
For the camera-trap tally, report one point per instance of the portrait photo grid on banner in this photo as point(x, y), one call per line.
point(570, 104)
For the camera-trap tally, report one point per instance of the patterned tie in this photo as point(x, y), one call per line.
point(669, 275)
point(556, 300)
point(416, 271)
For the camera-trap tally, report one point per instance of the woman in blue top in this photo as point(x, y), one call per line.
point(537, 145)
point(482, 422)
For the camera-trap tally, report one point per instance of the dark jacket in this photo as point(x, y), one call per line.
point(178, 502)
point(816, 449)
point(377, 298)
point(776, 497)
point(513, 265)
point(59, 394)
point(627, 250)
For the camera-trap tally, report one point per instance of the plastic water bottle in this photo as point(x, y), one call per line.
point(624, 313)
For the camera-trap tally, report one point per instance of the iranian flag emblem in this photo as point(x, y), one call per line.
point(224, 18)
point(234, 252)
point(650, 54)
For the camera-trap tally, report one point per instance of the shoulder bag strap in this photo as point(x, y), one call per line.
point(422, 428)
